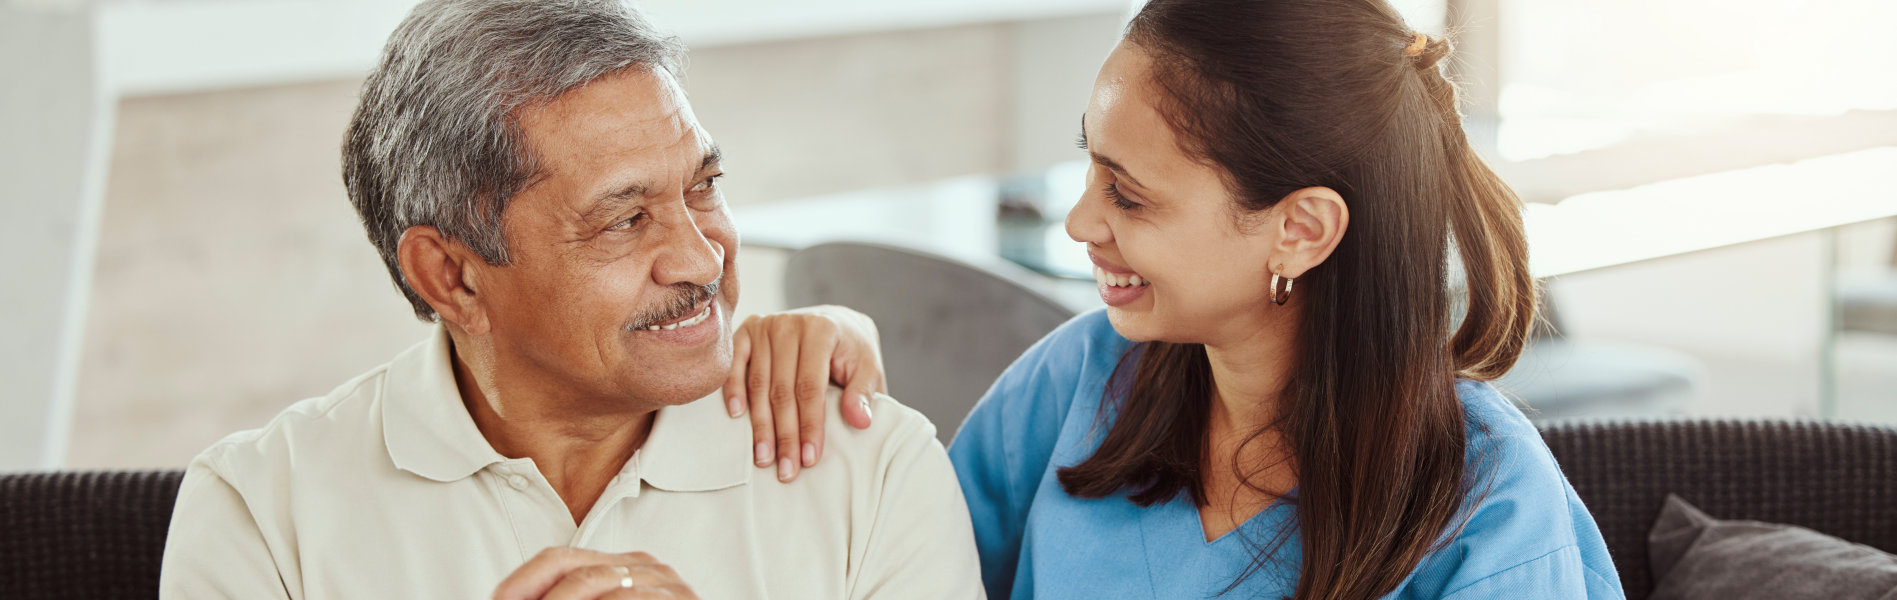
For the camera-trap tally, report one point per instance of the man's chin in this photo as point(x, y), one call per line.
point(683, 381)
point(693, 392)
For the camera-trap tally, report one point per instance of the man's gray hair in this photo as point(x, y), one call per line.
point(435, 139)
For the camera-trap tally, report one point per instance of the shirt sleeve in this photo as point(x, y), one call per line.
point(214, 548)
point(1003, 449)
point(920, 545)
point(1557, 575)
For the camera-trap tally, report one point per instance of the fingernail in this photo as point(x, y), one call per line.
point(810, 454)
point(783, 469)
point(864, 400)
point(734, 406)
point(763, 454)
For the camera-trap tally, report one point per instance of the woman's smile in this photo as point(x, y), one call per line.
point(1119, 285)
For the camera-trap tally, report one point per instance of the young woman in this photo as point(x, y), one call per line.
point(1273, 404)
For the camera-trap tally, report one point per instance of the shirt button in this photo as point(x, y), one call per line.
point(518, 482)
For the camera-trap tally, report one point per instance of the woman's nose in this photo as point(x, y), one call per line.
point(1085, 223)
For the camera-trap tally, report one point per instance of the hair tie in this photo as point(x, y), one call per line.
point(1415, 48)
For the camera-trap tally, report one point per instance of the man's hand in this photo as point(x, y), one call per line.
point(782, 364)
point(575, 574)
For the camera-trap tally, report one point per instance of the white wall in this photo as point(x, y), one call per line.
point(67, 63)
point(55, 121)
point(1756, 315)
point(194, 45)
point(232, 278)
point(1053, 68)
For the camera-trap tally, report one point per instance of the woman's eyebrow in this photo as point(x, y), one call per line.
point(1102, 160)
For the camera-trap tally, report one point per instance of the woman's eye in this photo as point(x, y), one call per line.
point(1113, 193)
point(627, 223)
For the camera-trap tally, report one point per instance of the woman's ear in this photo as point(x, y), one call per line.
point(442, 272)
point(1311, 222)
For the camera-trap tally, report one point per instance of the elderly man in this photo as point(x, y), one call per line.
point(538, 186)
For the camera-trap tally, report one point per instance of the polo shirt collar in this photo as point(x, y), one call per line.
point(426, 426)
point(693, 447)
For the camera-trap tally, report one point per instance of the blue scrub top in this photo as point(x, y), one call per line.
point(1529, 537)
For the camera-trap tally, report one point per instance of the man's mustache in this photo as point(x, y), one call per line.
point(683, 305)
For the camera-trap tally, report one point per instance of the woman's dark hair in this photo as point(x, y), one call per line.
point(1287, 94)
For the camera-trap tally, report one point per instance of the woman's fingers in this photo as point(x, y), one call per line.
point(856, 404)
point(740, 362)
point(818, 343)
point(783, 395)
point(782, 367)
point(861, 375)
point(757, 386)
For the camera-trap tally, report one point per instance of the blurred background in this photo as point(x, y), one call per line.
point(1711, 188)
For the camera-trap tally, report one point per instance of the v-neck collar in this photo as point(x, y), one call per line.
point(1252, 522)
point(1174, 538)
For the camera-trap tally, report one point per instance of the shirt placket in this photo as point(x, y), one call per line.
point(604, 520)
point(539, 519)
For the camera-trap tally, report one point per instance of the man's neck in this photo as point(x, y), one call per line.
point(578, 448)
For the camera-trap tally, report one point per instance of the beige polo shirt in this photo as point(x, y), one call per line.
point(385, 489)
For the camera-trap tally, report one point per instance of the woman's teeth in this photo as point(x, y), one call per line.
point(1102, 276)
point(685, 323)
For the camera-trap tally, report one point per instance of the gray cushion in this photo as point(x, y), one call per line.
point(1697, 556)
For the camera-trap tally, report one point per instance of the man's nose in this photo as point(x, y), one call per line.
point(688, 256)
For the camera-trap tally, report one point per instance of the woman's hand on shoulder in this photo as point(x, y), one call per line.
point(781, 366)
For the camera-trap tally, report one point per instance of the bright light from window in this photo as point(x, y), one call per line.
point(1584, 75)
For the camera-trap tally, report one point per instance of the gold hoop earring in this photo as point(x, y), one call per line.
point(1280, 297)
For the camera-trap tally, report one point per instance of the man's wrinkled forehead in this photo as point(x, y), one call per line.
point(634, 119)
point(635, 101)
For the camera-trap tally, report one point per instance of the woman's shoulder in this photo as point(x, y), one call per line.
point(1037, 394)
point(1506, 453)
point(1521, 514)
point(1085, 347)
point(1087, 330)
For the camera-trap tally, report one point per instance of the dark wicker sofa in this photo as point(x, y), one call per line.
point(101, 534)
point(1838, 479)
point(97, 534)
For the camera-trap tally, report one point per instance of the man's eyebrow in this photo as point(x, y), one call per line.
point(1103, 160)
point(611, 202)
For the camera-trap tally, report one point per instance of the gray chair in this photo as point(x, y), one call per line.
point(949, 328)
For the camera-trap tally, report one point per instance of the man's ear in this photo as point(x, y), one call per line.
point(1311, 222)
point(442, 272)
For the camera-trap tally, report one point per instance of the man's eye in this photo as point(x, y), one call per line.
point(708, 183)
point(628, 223)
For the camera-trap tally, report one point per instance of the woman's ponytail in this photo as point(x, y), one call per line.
point(1486, 219)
